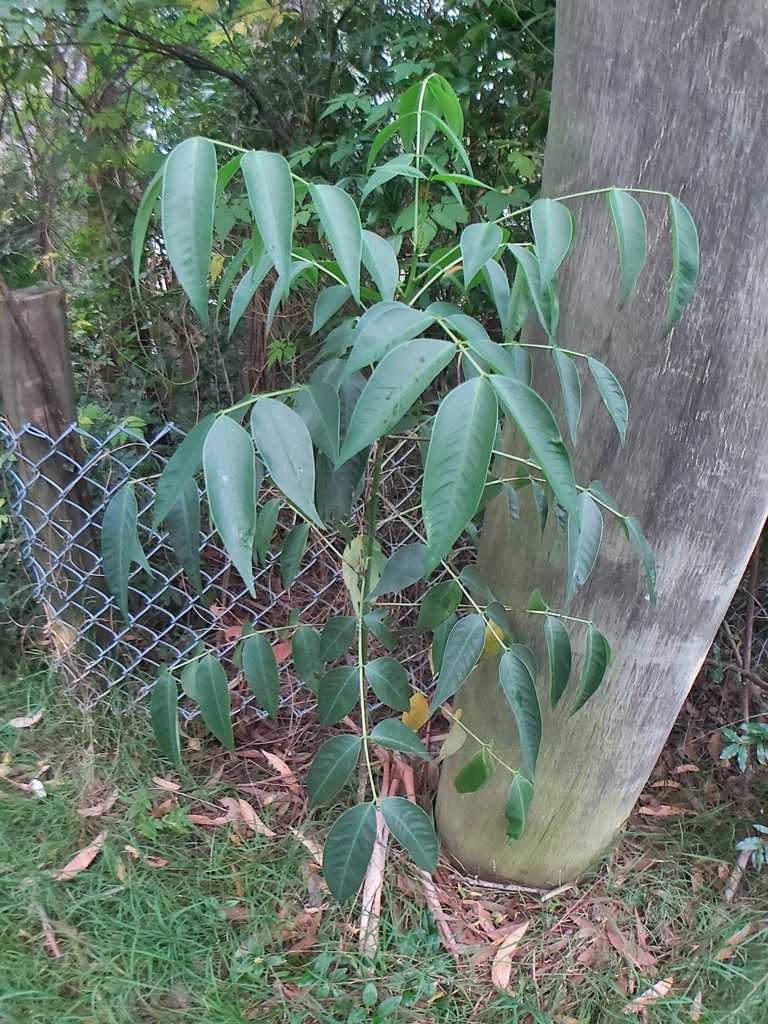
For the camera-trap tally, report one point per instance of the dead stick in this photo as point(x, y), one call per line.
point(738, 871)
point(50, 938)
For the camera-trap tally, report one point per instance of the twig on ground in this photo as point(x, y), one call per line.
point(738, 870)
point(50, 938)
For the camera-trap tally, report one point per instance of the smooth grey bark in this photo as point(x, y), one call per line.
point(669, 95)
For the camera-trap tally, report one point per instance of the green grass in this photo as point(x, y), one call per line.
point(153, 944)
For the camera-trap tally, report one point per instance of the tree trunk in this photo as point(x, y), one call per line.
point(667, 94)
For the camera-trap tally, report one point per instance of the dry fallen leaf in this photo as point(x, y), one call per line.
point(156, 862)
point(662, 811)
point(132, 851)
point(715, 745)
point(682, 768)
point(253, 821)
point(99, 808)
point(697, 1006)
point(27, 721)
point(282, 651)
point(206, 821)
point(81, 860)
point(501, 971)
point(657, 991)
point(288, 776)
point(167, 784)
point(454, 741)
point(419, 712)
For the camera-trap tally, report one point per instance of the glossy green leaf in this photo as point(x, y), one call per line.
point(270, 191)
point(498, 357)
point(164, 712)
point(685, 260)
point(331, 767)
point(381, 328)
point(246, 289)
point(266, 522)
point(294, 546)
point(634, 531)
point(585, 533)
point(189, 196)
point(559, 655)
point(337, 694)
point(519, 686)
point(189, 671)
point(380, 261)
point(229, 465)
point(518, 806)
point(552, 225)
point(396, 735)
point(541, 297)
point(185, 462)
point(537, 425)
point(141, 222)
point(475, 773)
point(337, 637)
point(341, 223)
point(404, 567)
point(464, 647)
point(499, 286)
point(348, 850)
point(329, 301)
point(318, 406)
point(260, 671)
point(393, 387)
point(378, 622)
point(440, 640)
point(570, 382)
point(449, 106)
point(388, 680)
point(183, 525)
point(479, 243)
point(457, 464)
point(213, 699)
point(413, 829)
point(399, 167)
point(597, 489)
point(631, 237)
point(612, 395)
point(285, 445)
point(437, 604)
point(596, 660)
point(520, 306)
point(307, 659)
point(118, 533)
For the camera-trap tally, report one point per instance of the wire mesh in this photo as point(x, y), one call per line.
point(62, 487)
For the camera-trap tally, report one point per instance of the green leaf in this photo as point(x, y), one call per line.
point(559, 655)
point(246, 289)
point(285, 445)
point(542, 297)
point(399, 166)
point(602, 495)
point(479, 243)
point(536, 602)
point(189, 197)
point(233, 269)
point(189, 671)
point(182, 465)
point(294, 546)
point(634, 531)
point(475, 773)
point(381, 328)
point(449, 104)
point(141, 222)
point(260, 671)
point(348, 850)
point(270, 191)
point(612, 395)
point(596, 661)
point(341, 223)
point(685, 260)
point(331, 767)
point(388, 680)
point(464, 647)
point(513, 502)
point(318, 406)
point(571, 385)
point(404, 567)
point(266, 522)
point(379, 624)
point(307, 660)
point(229, 465)
point(518, 805)
point(213, 699)
point(517, 682)
point(396, 735)
point(499, 286)
point(118, 533)
point(631, 237)
point(164, 712)
point(437, 604)
point(337, 637)
point(585, 532)
point(457, 463)
point(329, 301)
point(541, 503)
point(440, 639)
point(413, 829)
point(476, 584)
point(183, 525)
point(337, 694)
point(537, 425)
point(380, 261)
point(552, 225)
point(393, 387)
point(520, 306)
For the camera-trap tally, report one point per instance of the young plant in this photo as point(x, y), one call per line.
point(403, 357)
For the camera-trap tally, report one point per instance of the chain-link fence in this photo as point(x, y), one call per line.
point(61, 489)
